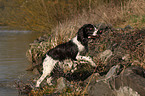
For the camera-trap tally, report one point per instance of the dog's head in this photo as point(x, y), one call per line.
point(88, 31)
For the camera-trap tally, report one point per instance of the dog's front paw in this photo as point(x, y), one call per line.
point(37, 86)
point(93, 64)
point(49, 81)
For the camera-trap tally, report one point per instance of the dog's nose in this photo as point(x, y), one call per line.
point(99, 32)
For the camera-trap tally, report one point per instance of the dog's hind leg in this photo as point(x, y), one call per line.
point(41, 78)
point(48, 66)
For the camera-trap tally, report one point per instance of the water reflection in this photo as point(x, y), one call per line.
point(13, 61)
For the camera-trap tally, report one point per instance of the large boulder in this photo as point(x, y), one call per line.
point(133, 78)
point(130, 82)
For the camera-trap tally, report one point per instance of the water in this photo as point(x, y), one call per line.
point(13, 61)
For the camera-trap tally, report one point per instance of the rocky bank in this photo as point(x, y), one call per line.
point(119, 54)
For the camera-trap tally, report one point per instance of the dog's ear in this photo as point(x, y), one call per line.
point(81, 36)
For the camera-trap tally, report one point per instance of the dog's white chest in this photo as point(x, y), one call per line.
point(80, 46)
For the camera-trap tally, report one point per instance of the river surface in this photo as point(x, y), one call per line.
point(13, 61)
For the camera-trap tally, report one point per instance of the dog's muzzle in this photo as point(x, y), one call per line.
point(96, 34)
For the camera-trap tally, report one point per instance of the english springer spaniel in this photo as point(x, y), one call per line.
point(69, 50)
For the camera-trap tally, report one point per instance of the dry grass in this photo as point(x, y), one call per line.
point(44, 15)
point(118, 14)
point(131, 13)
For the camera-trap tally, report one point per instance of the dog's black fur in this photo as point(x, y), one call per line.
point(69, 50)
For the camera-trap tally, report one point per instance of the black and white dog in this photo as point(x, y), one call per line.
point(69, 50)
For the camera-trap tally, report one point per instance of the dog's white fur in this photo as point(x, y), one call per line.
point(81, 48)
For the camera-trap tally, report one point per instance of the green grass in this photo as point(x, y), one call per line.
point(137, 21)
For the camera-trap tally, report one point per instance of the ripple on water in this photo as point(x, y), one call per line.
point(13, 61)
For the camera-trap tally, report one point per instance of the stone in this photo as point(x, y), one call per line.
point(132, 77)
point(61, 85)
point(104, 56)
point(126, 57)
point(111, 73)
point(131, 82)
point(99, 89)
point(126, 91)
point(128, 27)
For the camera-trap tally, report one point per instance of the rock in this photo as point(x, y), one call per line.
point(104, 56)
point(61, 85)
point(126, 57)
point(132, 77)
point(111, 73)
point(126, 91)
point(128, 27)
point(99, 89)
point(136, 62)
point(131, 82)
